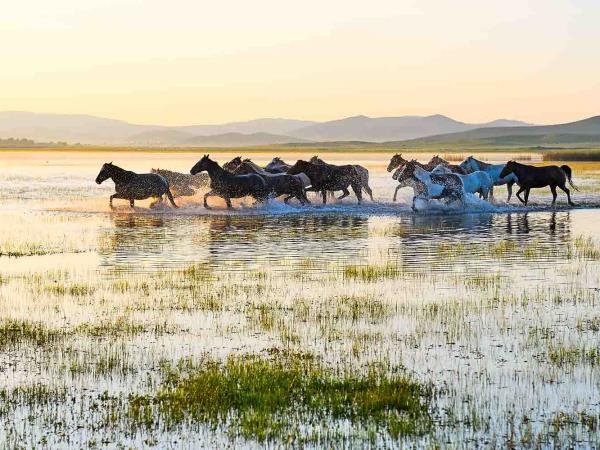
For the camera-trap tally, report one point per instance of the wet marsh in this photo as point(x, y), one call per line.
point(325, 327)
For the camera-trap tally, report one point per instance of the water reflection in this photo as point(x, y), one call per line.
point(144, 242)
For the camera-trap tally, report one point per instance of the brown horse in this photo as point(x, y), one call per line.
point(437, 160)
point(326, 177)
point(363, 172)
point(277, 183)
point(531, 177)
point(398, 161)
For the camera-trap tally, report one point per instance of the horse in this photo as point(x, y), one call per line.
point(538, 177)
point(277, 165)
point(326, 177)
point(436, 160)
point(419, 189)
point(475, 182)
point(183, 184)
point(232, 165)
point(227, 185)
point(447, 186)
point(363, 173)
point(493, 170)
point(133, 186)
point(277, 183)
point(398, 161)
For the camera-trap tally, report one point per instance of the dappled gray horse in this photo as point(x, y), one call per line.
point(132, 186)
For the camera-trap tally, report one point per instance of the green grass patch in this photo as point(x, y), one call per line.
point(281, 398)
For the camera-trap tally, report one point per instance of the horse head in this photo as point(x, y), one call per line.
point(233, 164)
point(508, 168)
point(105, 173)
point(437, 160)
point(299, 167)
point(396, 161)
point(201, 165)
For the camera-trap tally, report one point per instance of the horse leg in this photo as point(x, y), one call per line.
point(357, 188)
point(110, 201)
point(324, 194)
point(509, 187)
point(568, 192)
point(521, 189)
point(208, 194)
point(228, 202)
point(345, 193)
point(131, 203)
point(527, 195)
point(368, 190)
point(396, 193)
point(491, 194)
point(553, 189)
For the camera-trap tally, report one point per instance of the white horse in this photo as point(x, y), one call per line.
point(476, 182)
point(493, 170)
point(430, 186)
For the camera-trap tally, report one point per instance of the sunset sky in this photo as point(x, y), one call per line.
point(185, 62)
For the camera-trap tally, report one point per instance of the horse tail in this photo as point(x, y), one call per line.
point(567, 170)
point(170, 197)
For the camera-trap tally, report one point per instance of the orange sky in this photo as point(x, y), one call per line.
point(184, 62)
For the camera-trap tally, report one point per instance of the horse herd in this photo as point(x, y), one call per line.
point(436, 180)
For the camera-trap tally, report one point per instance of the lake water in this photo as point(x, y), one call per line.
point(495, 305)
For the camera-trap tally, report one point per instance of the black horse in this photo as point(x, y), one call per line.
point(326, 177)
point(538, 177)
point(363, 173)
point(227, 185)
point(132, 186)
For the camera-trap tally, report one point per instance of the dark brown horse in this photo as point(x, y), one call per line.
point(227, 185)
point(363, 172)
point(325, 177)
point(531, 177)
point(277, 165)
point(398, 161)
point(277, 183)
point(437, 160)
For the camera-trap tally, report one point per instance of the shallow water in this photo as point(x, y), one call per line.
point(481, 298)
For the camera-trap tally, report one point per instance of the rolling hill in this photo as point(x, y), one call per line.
point(382, 129)
point(586, 130)
point(86, 129)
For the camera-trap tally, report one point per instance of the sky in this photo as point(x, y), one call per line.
point(181, 62)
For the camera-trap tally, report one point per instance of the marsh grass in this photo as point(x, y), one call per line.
point(269, 399)
point(15, 332)
point(571, 356)
point(372, 273)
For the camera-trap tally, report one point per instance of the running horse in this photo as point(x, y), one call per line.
point(133, 186)
point(531, 177)
point(493, 170)
point(447, 186)
point(363, 173)
point(326, 177)
point(227, 185)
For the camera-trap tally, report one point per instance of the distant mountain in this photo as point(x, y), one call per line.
point(380, 129)
point(271, 126)
point(239, 140)
point(78, 128)
point(97, 130)
point(587, 130)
